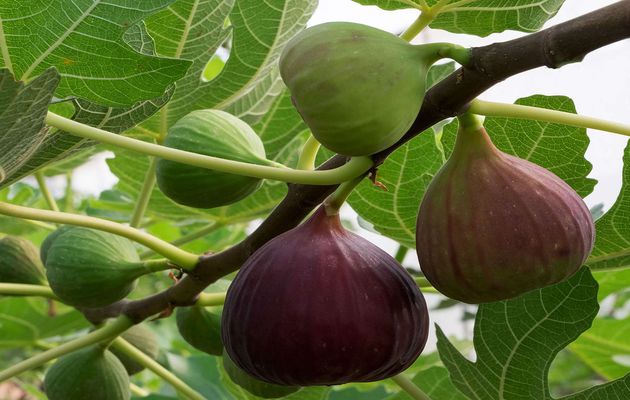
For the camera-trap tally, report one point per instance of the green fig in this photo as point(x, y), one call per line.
point(200, 328)
point(358, 88)
point(142, 338)
point(92, 373)
point(19, 262)
point(90, 268)
point(252, 385)
point(213, 133)
point(45, 246)
point(493, 226)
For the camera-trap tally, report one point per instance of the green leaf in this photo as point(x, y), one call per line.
point(84, 41)
point(611, 281)
point(23, 321)
point(249, 81)
point(23, 109)
point(612, 243)
point(516, 340)
point(483, 17)
point(392, 4)
point(409, 170)
point(605, 347)
point(435, 382)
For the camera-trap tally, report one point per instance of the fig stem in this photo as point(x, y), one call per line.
point(115, 328)
point(43, 187)
point(470, 122)
point(334, 202)
point(425, 18)
point(145, 194)
point(308, 154)
point(19, 289)
point(492, 109)
point(411, 388)
point(157, 265)
point(355, 167)
point(138, 356)
point(401, 253)
point(180, 257)
point(211, 299)
point(189, 237)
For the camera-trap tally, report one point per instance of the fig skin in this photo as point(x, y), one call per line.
point(19, 262)
point(319, 305)
point(212, 133)
point(200, 328)
point(492, 226)
point(91, 373)
point(90, 268)
point(358, 88)
point(143, 338)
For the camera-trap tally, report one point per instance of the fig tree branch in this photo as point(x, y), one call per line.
point(564, 43)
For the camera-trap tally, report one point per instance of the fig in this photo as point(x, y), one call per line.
point(492, 226)
point(200, 328)
point(90, 268)
point(19, 262)
point(358, 88)
point(212, 133)
point(144, 339)
point(319, 305)
point(45, 246)
point(253, 385)
point(91, 373)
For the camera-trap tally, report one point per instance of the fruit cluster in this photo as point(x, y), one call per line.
point(319, 305)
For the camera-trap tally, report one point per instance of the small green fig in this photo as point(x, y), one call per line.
point(92, 373)
point(90, 268)
point(213, 133)
point(200, 328)
point(45, 246)
point(142, 338)
point(493, 226)
point(358, 88)
point(19, 262)
point(255, 386)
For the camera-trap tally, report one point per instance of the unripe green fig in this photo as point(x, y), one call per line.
point(213, 133)
point(92, 373)
point(200, 328)
point(358, 88)
point(45, 246)
point(144, 340)
point(90, 268)
point(255, 386)
point(19, 262)
point(492, 226)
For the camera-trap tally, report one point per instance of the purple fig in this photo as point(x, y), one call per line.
point(319, 305)
point(492, 226)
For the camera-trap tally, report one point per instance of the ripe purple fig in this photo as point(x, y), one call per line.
point(492, 226)
point(319, 305)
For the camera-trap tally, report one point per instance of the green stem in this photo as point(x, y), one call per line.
point(50, 200)
point(19, 289)
point(69, 201)
point(145, 194)
point(180, 257)
point(40, 224)
point(425, 18)
point(408, 386)
point(334, 202)
point(137, 391)
point(355, 167)
point(493, 109)
point(189, 238)
point(157, 265)
point(309, 154)
point(401, 253)
point(211, 299)
point(115, 328)
point(470, 122)
point(138, 356)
